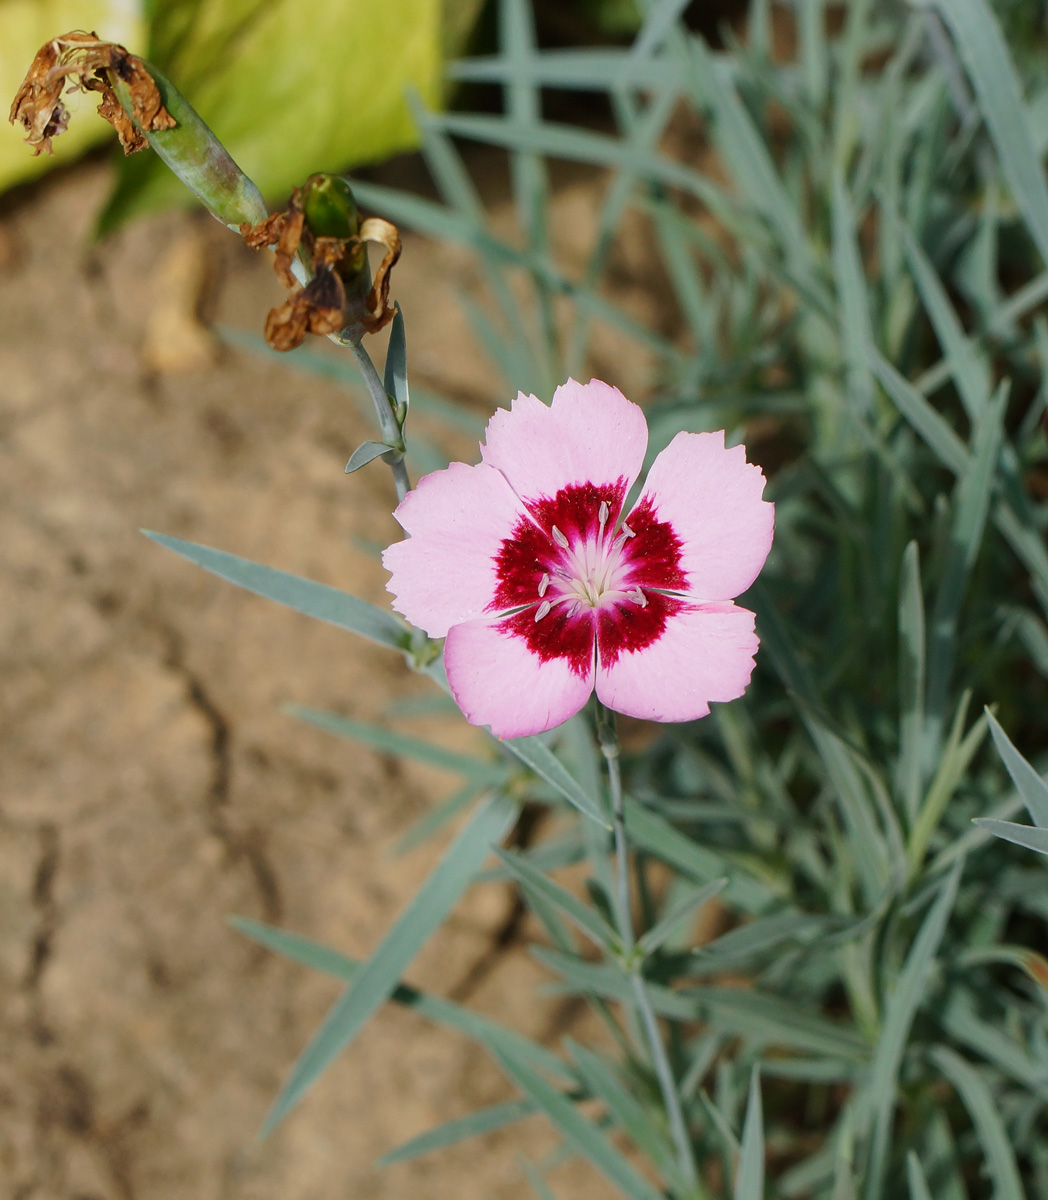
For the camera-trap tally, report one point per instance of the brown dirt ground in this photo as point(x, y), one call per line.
point(150, 782)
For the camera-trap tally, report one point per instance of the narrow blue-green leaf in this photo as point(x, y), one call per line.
point(585, 918)
point(391, 742)
point(434, 819)
point(484, 1120)
point(741, 944)
point(659, 21)
point(984, 52)
point(911, 681)
point(540, 1186)
point(626, 1110)
point(395, 372)
point(901, 1008)
point(972, 501)
point(969, 368)
point(314, 599)
point(915, 1176)
point(1029, 783)
point(434, 1008)
point(653, 938)
point(578, 70)
point(749, 1183)
point(915, 408)
point(378, 977)
point(578, 1131)
point(984, 1111)
point(1030, 836)
point(991, 1043)
point(365, 453)
point(850, 280)
point(650, 832)
point(541, 759)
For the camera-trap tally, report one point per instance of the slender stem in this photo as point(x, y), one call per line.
point(609, 747)
point(386, 421)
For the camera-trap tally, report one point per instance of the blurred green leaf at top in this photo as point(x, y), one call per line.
point(25, 25)
point(289, 86)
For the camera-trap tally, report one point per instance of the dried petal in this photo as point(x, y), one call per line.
point(317, 308)
point(379, 311)
point(93, 66)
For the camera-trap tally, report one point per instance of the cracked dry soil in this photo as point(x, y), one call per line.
point(151, 784)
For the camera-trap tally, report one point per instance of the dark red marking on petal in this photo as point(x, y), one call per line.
point(523, 558)
point(654, 554)
point(557, 635)
point(627, 627)
point(575, 509)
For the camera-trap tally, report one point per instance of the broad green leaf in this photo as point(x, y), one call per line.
point(484, 1120)
point(899, 1012)
point(1029, 783)
point(289, 86)
point(379, 976)
point(982, 47)
point(481, 1029)
point(314, 599)
point(25, 26)
point(983, 1109)
point(578, 1131)
point(749, 1182)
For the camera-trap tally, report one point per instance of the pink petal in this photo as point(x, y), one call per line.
point(712, 498)
point(445, 572)
point(497, 681)
point(590, 434)
point(705, 653)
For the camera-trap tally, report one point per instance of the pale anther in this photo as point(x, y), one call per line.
point(559, 538)
point(542, 610)
point(627, 531)
point(638, 597)
point(543, 584)
point(604, 513)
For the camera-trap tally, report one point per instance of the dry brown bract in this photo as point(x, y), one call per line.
point(331, 301)
point(90, 64)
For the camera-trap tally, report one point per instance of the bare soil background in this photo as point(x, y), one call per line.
point(150, 783)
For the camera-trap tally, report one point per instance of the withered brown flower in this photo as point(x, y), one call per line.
point(337, 298)
point(92, 66)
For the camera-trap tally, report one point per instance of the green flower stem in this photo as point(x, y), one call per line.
point(621, 902)
point(387, 422)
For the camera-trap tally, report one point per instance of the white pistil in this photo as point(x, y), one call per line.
point(638, 597)
point(542, 610)
point(543, 584)
point(559, 538)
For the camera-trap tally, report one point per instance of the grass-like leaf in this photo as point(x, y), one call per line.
point(749, 1182)
point(1030, 836)
point(911, 768)
point(484, 1120)
point(985, 54)
point(304, 595)
point(481, 1029)
point(379, 976)
point(585, 918)
point(1029, 783)
point(899, 1013)
point(577, 1130)
point(534, 753)
point(983, 1110)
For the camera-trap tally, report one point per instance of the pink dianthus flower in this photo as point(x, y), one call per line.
point(546, 592)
